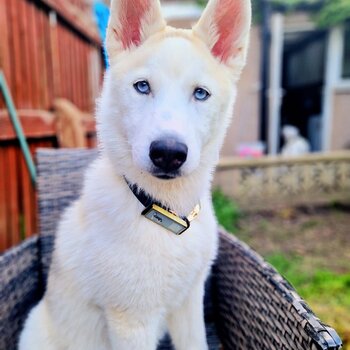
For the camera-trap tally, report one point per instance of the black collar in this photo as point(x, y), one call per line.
point(144, 198)
point(161, 215)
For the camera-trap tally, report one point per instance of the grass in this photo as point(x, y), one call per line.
point(308, 250)
point(226, 211)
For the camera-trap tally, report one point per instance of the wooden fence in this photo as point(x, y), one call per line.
point(48, 49)
point(269, 181)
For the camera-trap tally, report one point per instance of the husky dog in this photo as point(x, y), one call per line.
point(119, 279)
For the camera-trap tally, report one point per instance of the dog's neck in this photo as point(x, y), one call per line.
point(143, 197)
point(181, 194)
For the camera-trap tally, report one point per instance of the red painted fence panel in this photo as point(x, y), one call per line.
point(48, 49)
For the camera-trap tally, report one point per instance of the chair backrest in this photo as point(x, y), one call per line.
point(60, 180)
point(254, 307)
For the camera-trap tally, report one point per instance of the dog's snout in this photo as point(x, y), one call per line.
point(168, 154)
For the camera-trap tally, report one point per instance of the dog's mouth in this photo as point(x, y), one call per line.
point(166, 175)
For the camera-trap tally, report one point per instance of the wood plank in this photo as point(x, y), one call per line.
point(66, 77)
point(61, 66)
point(74, 16)
point(81, 77)
point(49, 61)
point(55, 58)
point(87, 86)
point(28, 54)
point(31, 54)
point(44, 20)
point(13, 211)
point(40, 17)
point(23, 67)
point(73, 69)
point(37, 47)
point(65, 68)
point(3, 203)
point(32, 19)
point(15, 50)
point(35, 123)
point(70, 66)
point(5, 60)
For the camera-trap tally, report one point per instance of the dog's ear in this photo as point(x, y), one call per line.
point(224, 27)
point(131, 23)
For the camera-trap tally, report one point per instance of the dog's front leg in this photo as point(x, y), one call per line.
point(133, 332)
point(186, 323)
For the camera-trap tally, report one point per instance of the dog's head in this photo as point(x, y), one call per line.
point(169, 93)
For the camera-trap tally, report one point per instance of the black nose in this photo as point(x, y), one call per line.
point(168, 154)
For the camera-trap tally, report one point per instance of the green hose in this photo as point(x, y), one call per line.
point(18, 127)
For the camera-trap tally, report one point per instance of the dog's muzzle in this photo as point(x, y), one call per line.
point(167, 155)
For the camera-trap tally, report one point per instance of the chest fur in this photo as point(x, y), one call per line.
point(130, 262)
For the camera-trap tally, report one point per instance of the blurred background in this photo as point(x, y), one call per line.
point(283, 184)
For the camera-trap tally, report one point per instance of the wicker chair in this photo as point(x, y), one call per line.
point(248, 305)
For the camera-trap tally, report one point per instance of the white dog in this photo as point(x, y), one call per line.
point(120, 279)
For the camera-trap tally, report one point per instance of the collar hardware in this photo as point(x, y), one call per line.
point(166, 219)
point(162, 216)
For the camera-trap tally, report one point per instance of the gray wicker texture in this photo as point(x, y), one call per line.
point(20, 289)
point(247, 304)
point(257, 309)
point(60, 177)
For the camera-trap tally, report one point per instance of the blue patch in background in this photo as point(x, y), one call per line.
point(101, 12)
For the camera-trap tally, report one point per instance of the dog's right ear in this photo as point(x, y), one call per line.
point(131, 23)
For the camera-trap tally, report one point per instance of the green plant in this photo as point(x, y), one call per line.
point(326, 13)
point(333, 12)
point(227, 212)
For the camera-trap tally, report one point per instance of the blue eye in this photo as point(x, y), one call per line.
point(143, 87)
point(200, 94)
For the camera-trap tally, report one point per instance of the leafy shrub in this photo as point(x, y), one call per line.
point(226, 211)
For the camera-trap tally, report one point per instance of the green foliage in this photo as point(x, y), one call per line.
point(202, 2)
point(330, 12)
point(311, 284)
point(333, 12)
point(289, 267)
point(226, 211)
point(294, 3)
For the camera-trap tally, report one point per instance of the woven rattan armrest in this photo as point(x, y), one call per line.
point(258, 309)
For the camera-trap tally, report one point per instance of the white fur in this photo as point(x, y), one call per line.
point(117, 280)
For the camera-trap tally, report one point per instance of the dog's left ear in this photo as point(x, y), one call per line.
point(131, 23)
point(224, 27)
